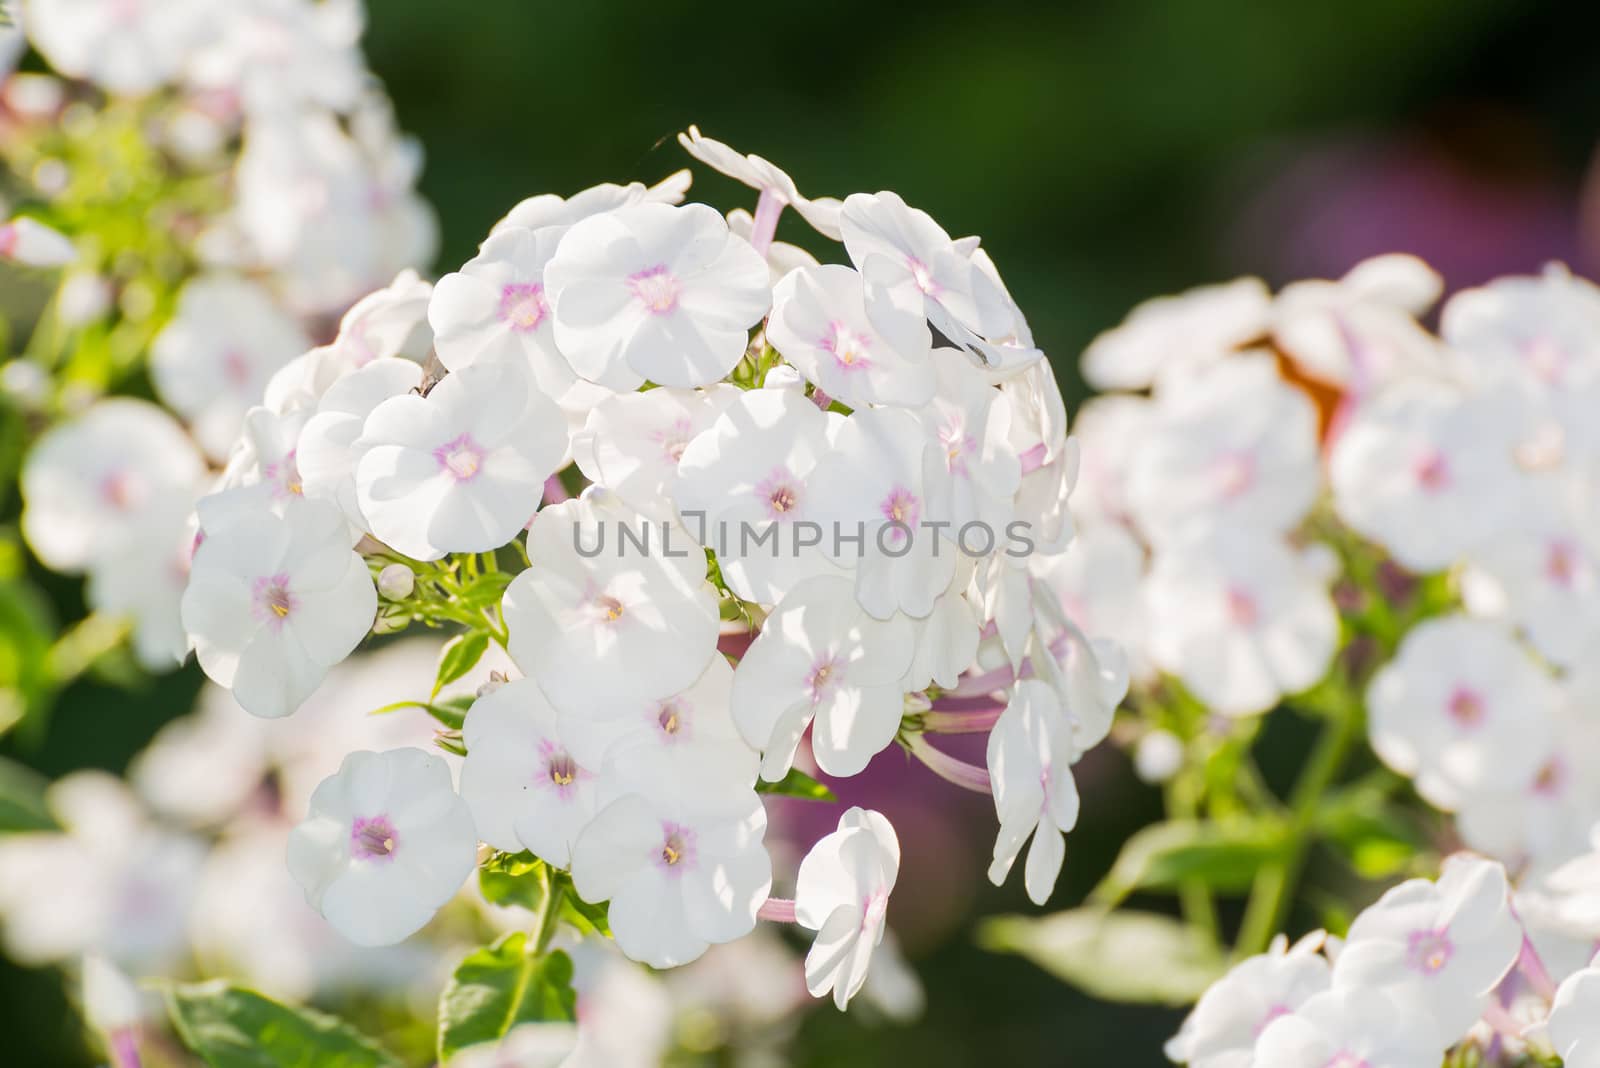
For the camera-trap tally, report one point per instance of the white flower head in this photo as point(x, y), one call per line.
point(970, 422)
point(121, 47)
point(681, 862)
point(1461, 708)
point(521, 780)
point(281, 56)
point(655, 292)
point(462, 469)
point(1427, 472)
point(746, 484)
point(275, 601)
point(211, 363)
point(385, 844)
point(1540, 333)
point(633, 442)
point(904, 256)
point(1574, 1027)
point(698, 718)
point(496, 307)
point(820, 657)
point(547, 209)
point(617, 626)
point(329, 444)
point(1169, 332)
point(388, 322)
point(1234, 445)
point(1222, 1030)
point(842, 893)
point(765, 177)
point(819, 324)
point(1239, 618)
point(1358, 1028)
point(143, 578)
point(884, 481)
point(1030, 758)
point(90, 485)
point(1441, 947)
point(1361, 331)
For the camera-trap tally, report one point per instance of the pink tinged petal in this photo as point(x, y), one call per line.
point(837, 960)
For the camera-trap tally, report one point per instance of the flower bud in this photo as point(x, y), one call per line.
point(110, 1000)
point(1158, 757)
point(396, 582)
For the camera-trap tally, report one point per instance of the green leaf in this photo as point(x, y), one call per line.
point(797, 784)
point(500, 986)
point(1136, 957)
point(587, 918)
point(1377, 840)
point(451, 713)
point(1223, 856)
point(485, 590)
point(22, 803)
point(459, 656)
point(230, 1027)
point(515, 879)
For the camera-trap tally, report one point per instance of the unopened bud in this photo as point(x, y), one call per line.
point(1158, 756)
point(497, 679)
point(396, 582)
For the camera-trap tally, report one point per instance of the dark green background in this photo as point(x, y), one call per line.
point(1106, 152)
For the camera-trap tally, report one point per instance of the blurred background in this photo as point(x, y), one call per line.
point(1106, 153)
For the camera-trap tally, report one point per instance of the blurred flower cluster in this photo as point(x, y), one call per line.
point(196, 192)
point(1309, 501)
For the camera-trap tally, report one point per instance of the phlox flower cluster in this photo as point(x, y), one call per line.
point(1212, 499)
point(270, 190)
point(817, 512)
point(1464, 963)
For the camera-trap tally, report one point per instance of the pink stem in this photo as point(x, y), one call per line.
point(125, 1048)
point(1496, 1016)
point(967, 776)
point(554, 491)
point(820, 399)
point(735, 644)
point(975, 722)
point(777, 909)
point(1033, 459)
point(976, 703)
point(985, 684)
point(1532, 967)
point(768, 208)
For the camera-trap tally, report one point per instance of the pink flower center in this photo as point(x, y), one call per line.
point(656, 288)
point(922, 276)
point(1241, 607)
point(1552, 779)
point(779, 494)
point(825, 676)
point(1432, 471)
point(851, 351)
point(674, 439)
point(1428, 951)
point(677, 848)
point(236, 368)
point(562, 770)
point(461, 456)
point(1235, 473)
point(901, 507)
point(958, 445)
point(373, 839)
point(284, 475)
point(1545, 358)
point(1466, 708)
point(672, 717)
point(522, 306)
point(873, 908)
point(1562, 564)
point(120, 490)
point(271, 600)
point(607, 609)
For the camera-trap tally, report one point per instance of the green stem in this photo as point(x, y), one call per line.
point(1194, 896)
point(549, 911)
point(1270, 896)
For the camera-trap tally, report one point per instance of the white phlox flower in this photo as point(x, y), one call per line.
point(843, 894)
point(385, 844)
